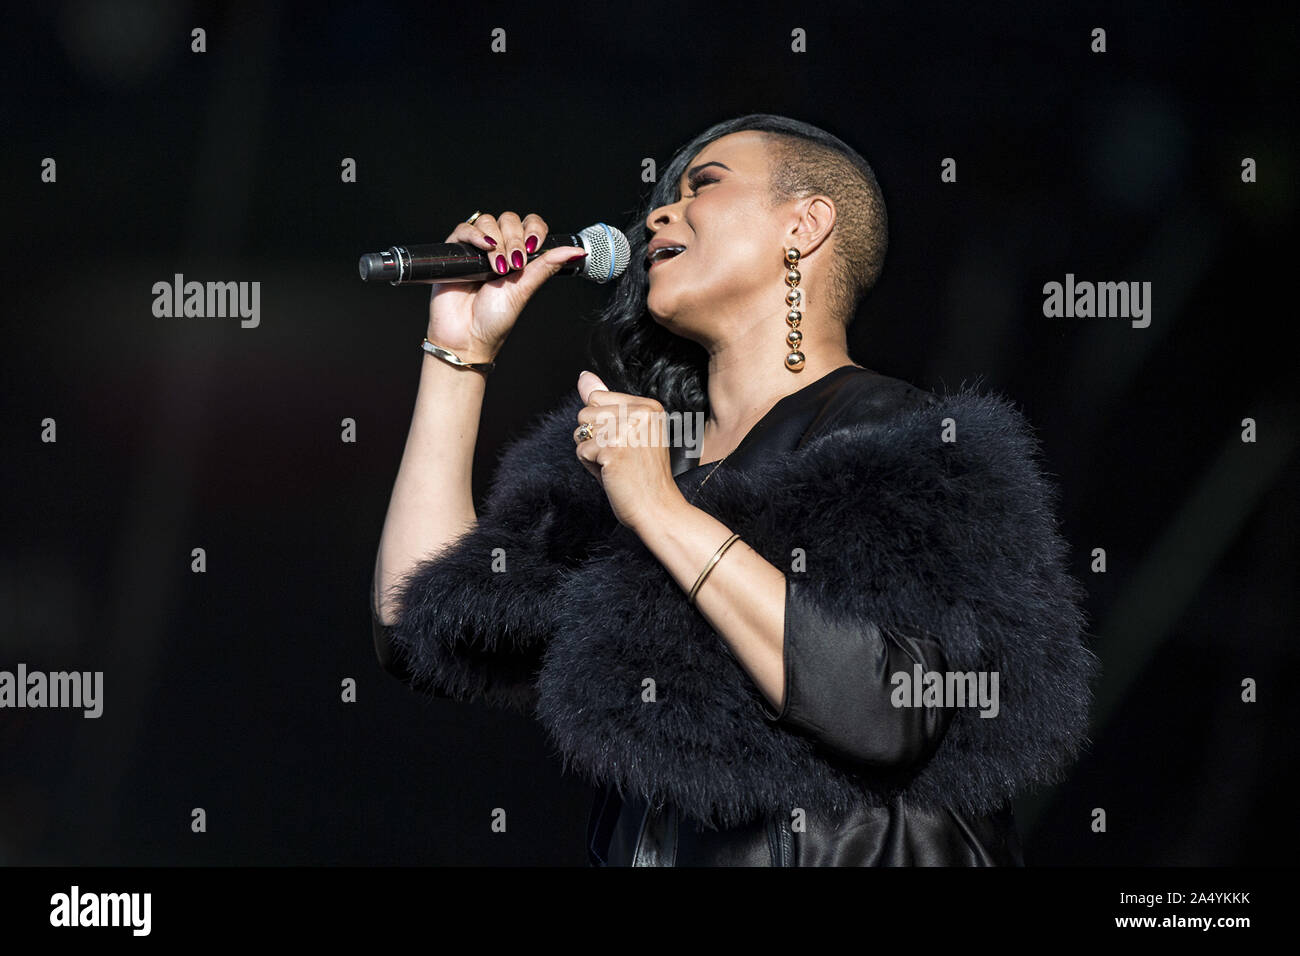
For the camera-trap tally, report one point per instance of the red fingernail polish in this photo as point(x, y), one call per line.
point(501, 264)
point(517, 258)
point(531, 244)
point(490, 241)
point(576, 257)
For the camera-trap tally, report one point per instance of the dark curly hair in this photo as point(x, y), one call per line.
point(633, 353)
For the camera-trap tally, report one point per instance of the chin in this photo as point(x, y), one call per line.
point(658, 314)
point(670, 315)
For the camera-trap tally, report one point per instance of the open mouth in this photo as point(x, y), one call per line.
point(666, 252)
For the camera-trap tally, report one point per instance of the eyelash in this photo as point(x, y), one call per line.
point(702, 179)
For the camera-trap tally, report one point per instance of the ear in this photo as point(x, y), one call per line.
point(814, 216)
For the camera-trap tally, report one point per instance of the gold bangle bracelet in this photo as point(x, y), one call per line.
point(451, 358)
point(717, 556)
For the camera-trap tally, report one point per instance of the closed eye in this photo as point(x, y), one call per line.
point(700, 179)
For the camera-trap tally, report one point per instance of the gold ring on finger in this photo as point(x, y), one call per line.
point(471, 219)
point(584, 432)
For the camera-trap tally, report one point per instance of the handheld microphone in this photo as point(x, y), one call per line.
point(608, 256)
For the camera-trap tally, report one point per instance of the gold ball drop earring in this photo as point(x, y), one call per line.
point(794, 299)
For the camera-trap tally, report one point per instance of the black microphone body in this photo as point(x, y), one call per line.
point(461, 262)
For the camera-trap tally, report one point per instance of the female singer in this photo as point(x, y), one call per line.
point(836, 628)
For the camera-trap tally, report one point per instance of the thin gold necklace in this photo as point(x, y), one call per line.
point(724, 457)
point(711, 471)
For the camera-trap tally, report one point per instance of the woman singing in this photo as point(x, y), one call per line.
point(834, 627)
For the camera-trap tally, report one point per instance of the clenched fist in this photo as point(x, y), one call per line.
point(627, 451)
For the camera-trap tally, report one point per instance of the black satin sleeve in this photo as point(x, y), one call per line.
point(839, 688)
point(389, 659)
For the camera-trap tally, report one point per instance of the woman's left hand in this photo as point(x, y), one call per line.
point(627, 451)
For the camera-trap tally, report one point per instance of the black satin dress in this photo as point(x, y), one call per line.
point(626, 831)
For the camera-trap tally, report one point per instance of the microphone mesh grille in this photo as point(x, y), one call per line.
point(608, 252)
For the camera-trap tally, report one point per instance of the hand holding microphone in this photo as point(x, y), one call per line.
point(486, 271)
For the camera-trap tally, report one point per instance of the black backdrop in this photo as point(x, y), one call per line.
point(222, 689)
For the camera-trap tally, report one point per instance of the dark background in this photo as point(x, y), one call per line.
point(222, 689)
